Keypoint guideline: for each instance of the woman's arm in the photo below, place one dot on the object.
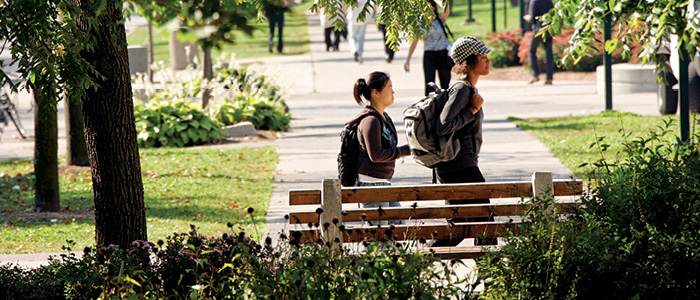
(370, 134)
(458, 111)
(407, 65)
(445, 14)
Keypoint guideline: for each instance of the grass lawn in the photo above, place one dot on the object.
(296, 39)
(204, 187)
(572, 138)
(481, 13)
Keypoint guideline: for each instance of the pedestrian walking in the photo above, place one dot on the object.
(378, 140)
(435, 52)
(331, 36)
(537, 9)
(462, 117)
(388, 52)
(356, 30)
(274, 11)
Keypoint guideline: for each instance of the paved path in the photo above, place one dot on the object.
(321, 102)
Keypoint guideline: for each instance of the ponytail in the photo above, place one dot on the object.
(363, 88)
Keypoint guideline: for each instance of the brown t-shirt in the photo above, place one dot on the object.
(378, 144)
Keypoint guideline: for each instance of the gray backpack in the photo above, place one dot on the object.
(421, 119)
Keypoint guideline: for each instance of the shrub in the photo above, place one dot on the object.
(233, 266)
(591, 59)
(262, 113)
(245, 81)
(174, 123)
(504, 48)
(636, 236)
(255, 95)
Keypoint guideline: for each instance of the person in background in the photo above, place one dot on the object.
(388, 52)
(537, 9)
(435, 54)
(462, 116)
(274, 11)
(331, 36)
(378, 140)
(356, 30)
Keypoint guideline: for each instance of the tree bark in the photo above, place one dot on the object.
(110, 133)
(208, 74)
(76, 153)
(46, 190)
(150, 51)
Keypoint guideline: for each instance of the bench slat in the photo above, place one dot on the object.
(434, 212)
(466, 191)
(459, 252)
(410, 232)
(304, 197)
(430, 192)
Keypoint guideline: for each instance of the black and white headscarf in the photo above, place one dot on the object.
(466, 46)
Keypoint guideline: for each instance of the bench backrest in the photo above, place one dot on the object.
(326, 226)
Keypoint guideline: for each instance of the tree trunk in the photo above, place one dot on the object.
(76, 153)
(110, 132)
(208, 74)
(150, 51)
(46, 192)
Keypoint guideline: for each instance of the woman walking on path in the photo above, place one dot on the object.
(435, 57)
(463, 115)
(376, 133)
(356, 30)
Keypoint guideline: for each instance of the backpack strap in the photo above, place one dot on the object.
(444, 27)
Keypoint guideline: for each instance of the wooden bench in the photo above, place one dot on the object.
(335, 224)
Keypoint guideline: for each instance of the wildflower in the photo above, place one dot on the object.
(268, 240)
(336, 221)
(319, 211)
(250, 210)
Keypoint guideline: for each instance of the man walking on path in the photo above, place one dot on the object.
(537, 9)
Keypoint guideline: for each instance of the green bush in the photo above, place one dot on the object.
(233, 266)
(244, 81)
(636, 236)
(262, 113)
(174, 123)
(504, 48)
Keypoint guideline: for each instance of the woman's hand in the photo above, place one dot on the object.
(407, 66)
(477, 102)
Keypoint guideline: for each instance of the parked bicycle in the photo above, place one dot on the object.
(8, 111)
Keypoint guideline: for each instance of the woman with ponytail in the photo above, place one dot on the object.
(376, 133)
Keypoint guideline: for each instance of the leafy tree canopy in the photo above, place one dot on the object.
(208, 22)
(400, 16)
(650, 21)
(44, 42)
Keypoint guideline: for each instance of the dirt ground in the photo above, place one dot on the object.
(521, 73)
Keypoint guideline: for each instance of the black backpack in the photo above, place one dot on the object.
(349, 156)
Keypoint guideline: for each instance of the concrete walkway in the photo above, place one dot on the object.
(321, 101)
